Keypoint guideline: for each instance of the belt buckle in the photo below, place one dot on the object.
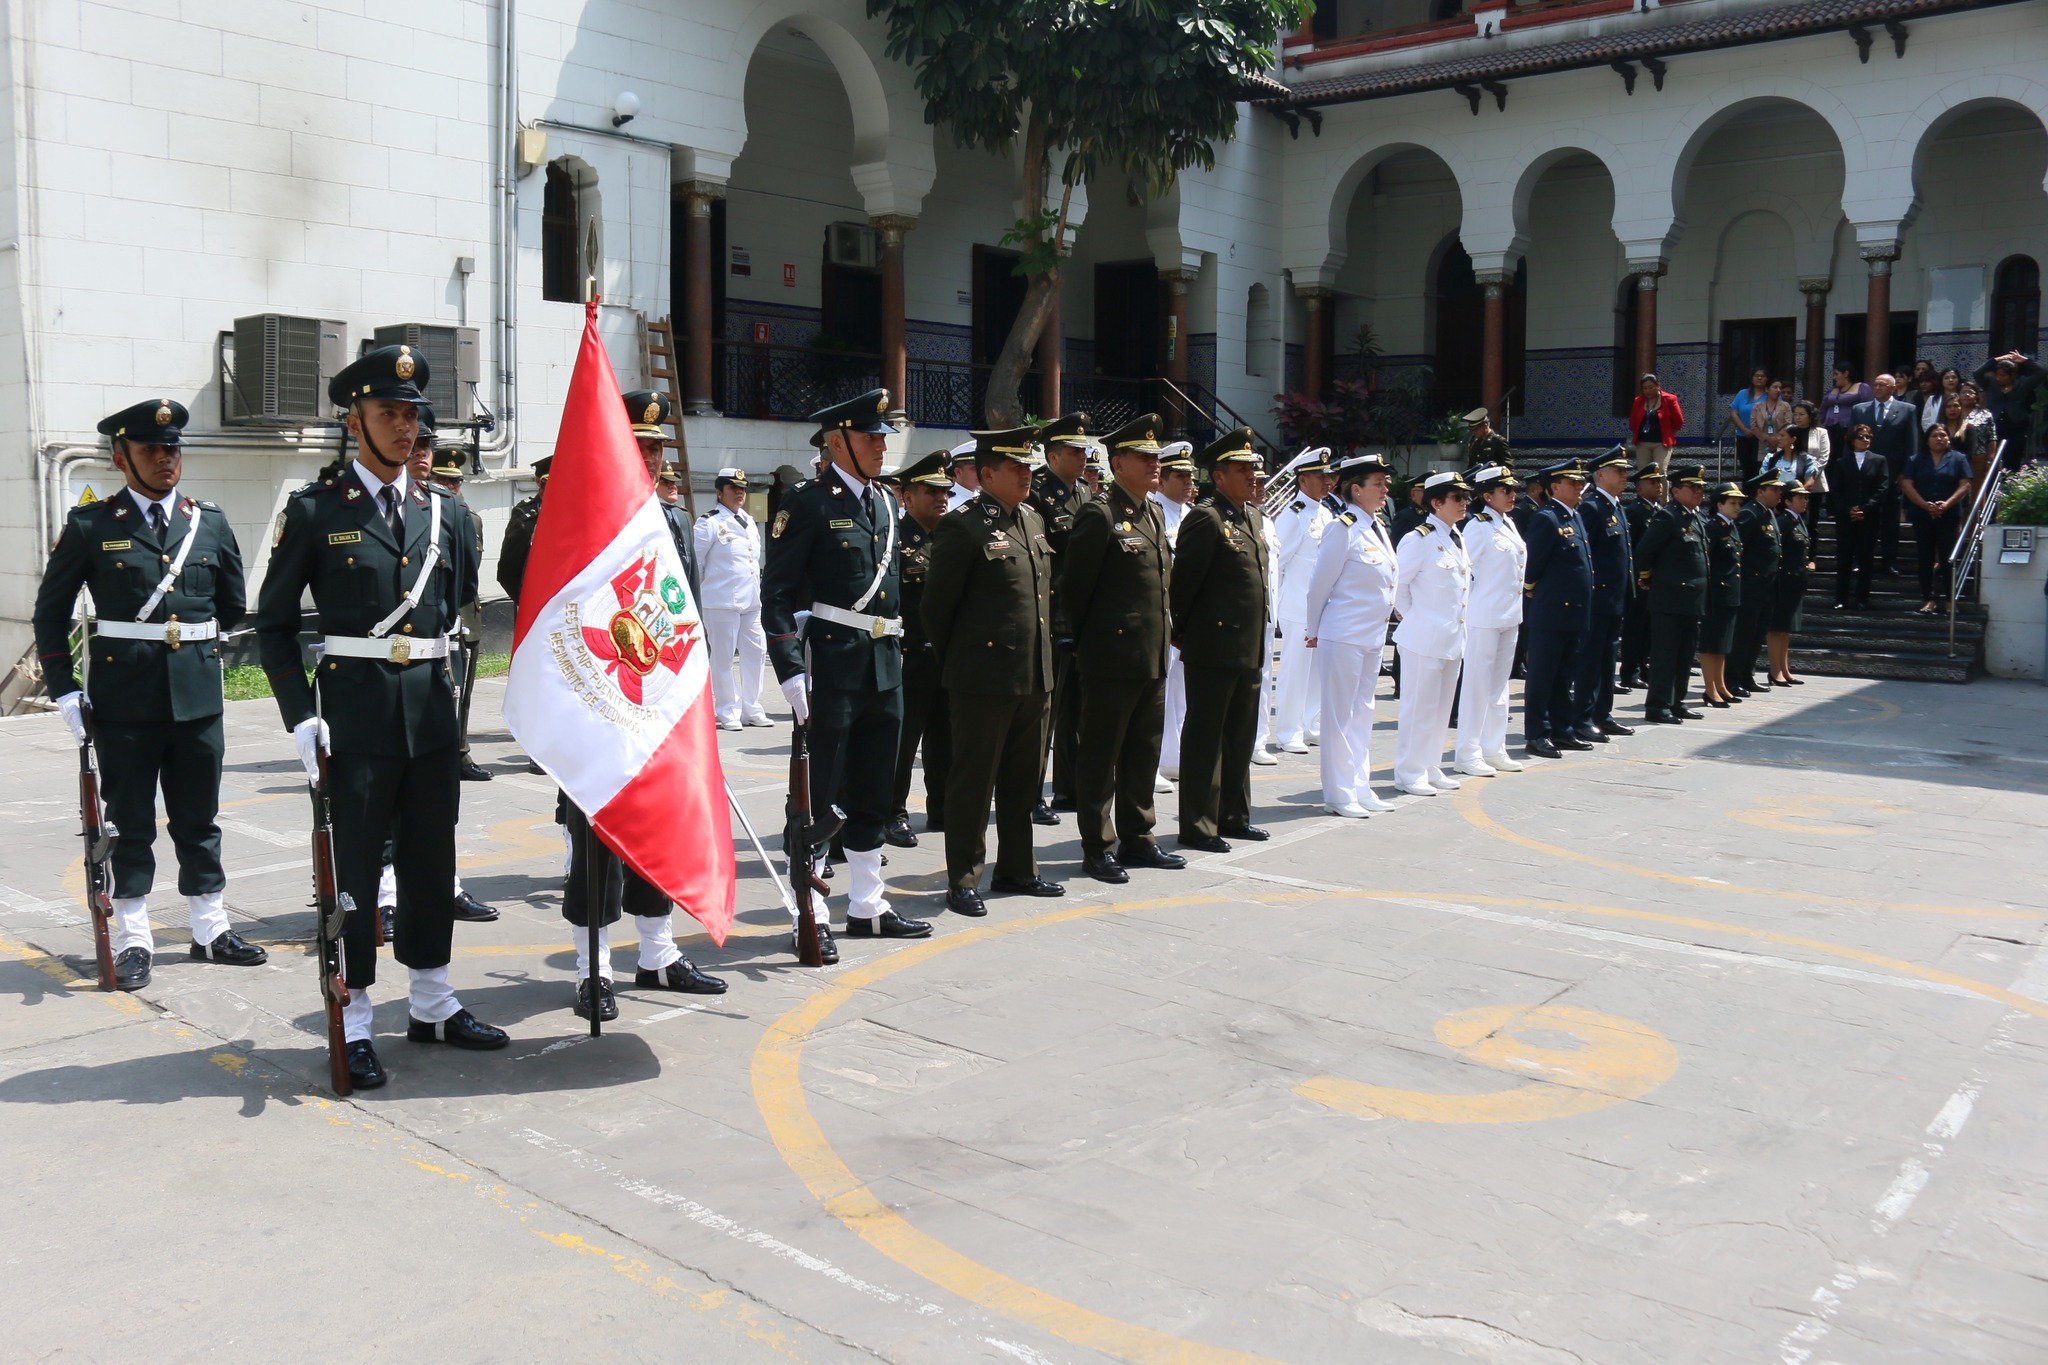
(877, 627)
(401, 650)
(172, 635)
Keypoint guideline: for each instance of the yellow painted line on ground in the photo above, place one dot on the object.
(59, 971)
(1617, 1060)
(1808, 812)
(1470, 804)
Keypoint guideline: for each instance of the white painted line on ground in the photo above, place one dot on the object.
(57, 912)
(294, 839)
(718, 1222)
(265, 869)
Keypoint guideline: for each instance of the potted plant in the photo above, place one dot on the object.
(2016, 611)
(1451, 435)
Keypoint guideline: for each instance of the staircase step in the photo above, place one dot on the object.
(1852, 640)
(1888, 664)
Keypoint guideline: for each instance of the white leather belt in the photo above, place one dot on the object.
(392, 649)
(878, 627)
(172, 633)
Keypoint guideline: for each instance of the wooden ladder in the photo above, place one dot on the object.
(659, 344)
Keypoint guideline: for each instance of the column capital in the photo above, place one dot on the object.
(1494, 282)
(700, 190)
(1816, 290)
(1314, 295)
(892, 226)
(1879, 255)
(1179, 280)
(1646, 269)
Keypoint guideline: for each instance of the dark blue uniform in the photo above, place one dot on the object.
(1559, 586)
(1608, 544)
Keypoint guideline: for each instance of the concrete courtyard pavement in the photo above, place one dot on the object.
(1719, 1043)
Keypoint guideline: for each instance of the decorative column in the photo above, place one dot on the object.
(1816, 292)
(895, 361)
(1316, 298)
(699, 195)
(1877, 311)
(1495, 283)
(1646, 275)
(1177, 282)
(1050, 337)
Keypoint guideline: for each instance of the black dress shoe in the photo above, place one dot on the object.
(365, 1072)
(1203, 843)
(1589, 734)
(1629, 680)
(828, 951)
(1623, 688)
(470, 910)
(131, 969)
(1042, 814)
(1149, 854)
(1660, 717)
(1719, 705)
(1104, 867)
(464, 1030)
(1740, 690)
(1686, 713)
(231, 948)
(1059, 802)
(888, 924)
(965, 900)
(1542, 748)
(607, 1003)
(1251, 833)
(680, 975)
(470, 771)
(387, 921)
(897, 833)
(1025, 886)
(1790, 682)
(1611, 726)
(1569, 741)
(1734, 698)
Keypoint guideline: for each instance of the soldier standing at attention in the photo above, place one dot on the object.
(1635, 622)
(1493, 622)
(1761, 552)
(166, 579)
(1559, 610)
(1058, 491)
(1350, 598)
(1297, 711)
(1218, 596)
(988, 608)
(648, 412)
(1671, 571)
(1175, 497)
(832, 549)
(1724, 594)
(728, 549)
(385, 560)
(926, 487)
(1114, 588)
(1432, 591)
(1610, 547)
(445, 473)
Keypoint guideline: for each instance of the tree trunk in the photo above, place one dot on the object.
(1001, 406)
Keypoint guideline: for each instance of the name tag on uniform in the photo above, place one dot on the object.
(117, 545)
(344, 537)
(1134, 544)
(841, 524)
(997, 549)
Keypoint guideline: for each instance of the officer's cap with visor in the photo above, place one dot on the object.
(1617, 458)
(867, 413)
(1694, 475)
(1141, 434)
(1070, 430)
(1233, 447)
(392, 373)
(1476, 416)
(1359, 468)
(1017, 443)
(932, 471)
(1488, 477)
(1563, 469)
(1449, 481)
(1318, 462)
(649, 411)
(1652, 470)
(156, 422)
(730, 477)
(1175, 457)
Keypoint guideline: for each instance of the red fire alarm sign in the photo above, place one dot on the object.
(789, 275)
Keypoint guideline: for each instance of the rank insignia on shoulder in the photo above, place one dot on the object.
(345, 538)
(117, 545)
(1298, 505)
(120, 511)
(354, 493)
(1349, 518)
(1426, 528)
(781, 524)
(277, 531)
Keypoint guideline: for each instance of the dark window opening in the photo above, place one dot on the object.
(1128, 320)
(1901, 343)
(2016, 306)
(1461, 334)
(561, 248)
(998, 298)
(1751, 344)
(1625, 376)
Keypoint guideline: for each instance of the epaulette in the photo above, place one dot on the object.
(1426, 527)
(1298, 505)
(206, 506)
(1349, 518)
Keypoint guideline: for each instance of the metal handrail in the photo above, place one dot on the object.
(1962, 556)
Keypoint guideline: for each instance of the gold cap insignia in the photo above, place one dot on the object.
(651, 413)
(882, 403)
(163, 413)
(1149, 435)
(404, 367)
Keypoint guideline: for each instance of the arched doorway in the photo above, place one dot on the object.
(2016, 306)
(1460, 309)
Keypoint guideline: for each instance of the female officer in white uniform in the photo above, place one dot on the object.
(1499, 558)
(1431, 594)
(1175, 495)
(1350, 593)
(729, 556)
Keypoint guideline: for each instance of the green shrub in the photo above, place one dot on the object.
(2025, 499)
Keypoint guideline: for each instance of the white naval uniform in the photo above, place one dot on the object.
(1432, 593)
(1265, 737)
(1349, 595)
(729, 569)
(1297, 705)
(1499, 558)
(1171, 513)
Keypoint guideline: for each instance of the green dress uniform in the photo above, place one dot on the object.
(1057, 503)
(926, 720)
(1671, 570)
(387, 566)
(1218, 596)
(1757, 527)
(1789, 595)
(153, 680)
(1114, 591)
(988, 610)
(447, 476)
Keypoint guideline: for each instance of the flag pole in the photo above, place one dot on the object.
(781, 886)
(594, 880)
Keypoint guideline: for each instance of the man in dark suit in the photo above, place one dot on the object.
(1610, 546)
(1558, 585)
(1895, 437)
(1859, 491)
(1113, 592)
(1671, 570)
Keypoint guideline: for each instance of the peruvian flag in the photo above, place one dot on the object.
(610, 689)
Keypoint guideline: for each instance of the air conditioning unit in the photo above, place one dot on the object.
(280, 368)
(453, 364)
(853, 245)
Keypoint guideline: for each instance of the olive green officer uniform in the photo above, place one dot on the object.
(1114, 594)
(519, 526)
(1757, 527)
(1490, 449)
(447, 476)
(988, 610)
(1218, 598)
(926, 721)
(1671, 569)
(154, 679)
(1057, 503)
(1724, 574)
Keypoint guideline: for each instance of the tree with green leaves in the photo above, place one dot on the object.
(1106, 90)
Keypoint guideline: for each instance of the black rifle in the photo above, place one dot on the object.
(331, 907)
(99, 850)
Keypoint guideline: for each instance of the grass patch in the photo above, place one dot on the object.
(246, 682)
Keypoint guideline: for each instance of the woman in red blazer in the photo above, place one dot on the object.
(1654, 418)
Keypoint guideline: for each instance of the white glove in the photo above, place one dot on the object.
(793, 689)
(71, 706)
(312, 738)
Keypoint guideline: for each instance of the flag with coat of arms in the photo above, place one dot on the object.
(610, 687)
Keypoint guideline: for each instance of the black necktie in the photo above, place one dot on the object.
(391, 513)
(157, 521)
(1457, 538)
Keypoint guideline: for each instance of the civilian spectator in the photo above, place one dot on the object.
(1654, 418)
(1795, 564)
(1859, 492)
(1937, 489)
(1926, 398)
(1946, 386)
(1739, 407)
(2008, 385)
(1810, 450)
(1895, 432)
(1840, 402)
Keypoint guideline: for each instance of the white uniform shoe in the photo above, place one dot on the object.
(1266, 757)
(1415, 789)
(1296, 745)
(1350, 810)
(1314, 737)
(1473, 767)
(1504, 763)
(1372, 801)
(728, 725)
(1162, 783)
(1443, 781)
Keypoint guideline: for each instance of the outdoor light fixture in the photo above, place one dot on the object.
(624, 108)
